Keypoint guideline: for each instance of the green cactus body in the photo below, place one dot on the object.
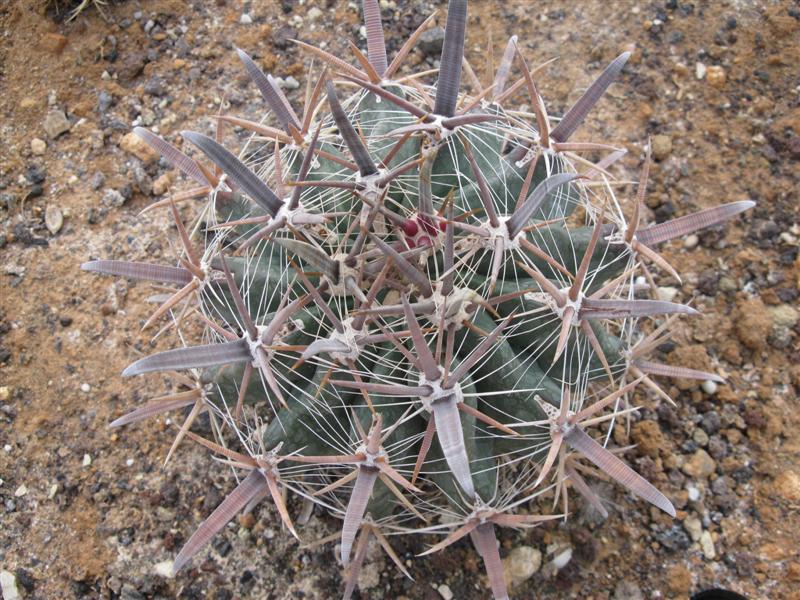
(424, 309)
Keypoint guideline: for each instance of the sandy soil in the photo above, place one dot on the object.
(87, 512)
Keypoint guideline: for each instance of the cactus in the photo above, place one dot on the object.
(419, 302)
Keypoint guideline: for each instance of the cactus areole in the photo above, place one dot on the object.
(424, 306)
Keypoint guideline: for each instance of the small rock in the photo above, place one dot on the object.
(87, 460)
(313, 13)
(135, 145)
(5, 393)
(142, 180)
(97, 180)
(787, 486)
(707, 546)
(132, 65)
(667, 294)
(56, 123)
(53, 218)
(699, 70)
(709, 387)
(246, 19)
(161, 184)
(430, 43)
(38, 146)
(155, 87)
(700, 437)
(164, 569)
(53, 42)
(290, 83)
(715, 76)
(8, 584)
(21, 491)
(104, 101)
(522, 563)
(661, 146)
(691, 241)
(783, 316)
(700, 465)
(693, 527)
(727, 284)
(445, 592)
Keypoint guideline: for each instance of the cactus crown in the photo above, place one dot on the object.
(419, 303)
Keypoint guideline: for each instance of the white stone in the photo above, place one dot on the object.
(445, 591)
(523, 562)
(707, 545)
(709, 387)
(691, 241)
(699, 70)
(245, 19)
(56, 123)
(164, 568)
(8, 583)
(38, 146)
(87, 460)
(21, 491)
(667, 294)
(314, 13)
(53, 218)
(693, 527)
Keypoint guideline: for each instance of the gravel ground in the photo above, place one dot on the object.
(88, 512)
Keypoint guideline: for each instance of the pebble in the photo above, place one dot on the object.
(445, 592)
(707, 546)
(691, 241)
(709, 387)
(783, 316)
(53, 218)
(133, 144)
(522, 563)
(667, 294)
(715, 75)
(699, 70)
(86, 388)
(87, 460)
(787, 486)
(661, 145)
(56, 123)
(430, 43)
(313, 13)
(8, 584)
(53, 42)
(700, 465)
(21, 491)
(693, 527)
(5, 393)
(155, 86)
(161, 185)
(727, 284)
(38, 146)
(97, 180)
(245, 19)
(164, 569)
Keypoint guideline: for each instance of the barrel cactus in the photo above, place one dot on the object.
(423, 307)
